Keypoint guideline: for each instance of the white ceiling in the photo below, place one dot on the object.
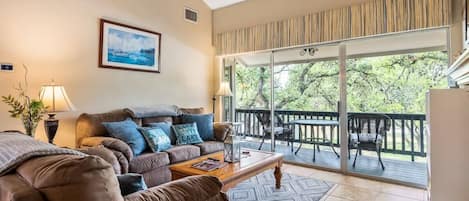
(375, 46)
(216, 4)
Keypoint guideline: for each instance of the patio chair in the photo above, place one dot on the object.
(281, 130)
(367, 132)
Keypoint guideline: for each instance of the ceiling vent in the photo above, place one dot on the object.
(191, 15)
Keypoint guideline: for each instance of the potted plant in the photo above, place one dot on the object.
(23, 107)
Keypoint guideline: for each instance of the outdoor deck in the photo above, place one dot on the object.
(402, 170)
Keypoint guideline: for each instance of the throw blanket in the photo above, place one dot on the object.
(16, 148)
(155, 111)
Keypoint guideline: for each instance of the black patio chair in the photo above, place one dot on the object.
(281, 130)
(367, 132)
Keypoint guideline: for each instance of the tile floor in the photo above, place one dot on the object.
(351, 188)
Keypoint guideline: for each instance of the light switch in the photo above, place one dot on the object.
(6, 67)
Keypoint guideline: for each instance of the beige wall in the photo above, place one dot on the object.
(253, 12)
(456, 30)
(58, 39)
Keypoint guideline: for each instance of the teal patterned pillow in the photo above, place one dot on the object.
(156, 139)
(187, 134)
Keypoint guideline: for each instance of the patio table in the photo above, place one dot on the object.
(314, 139)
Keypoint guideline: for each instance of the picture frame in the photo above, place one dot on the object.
(126, 47)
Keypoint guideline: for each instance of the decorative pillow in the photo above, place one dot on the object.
(131, 183)
(166, 127)
(204, 124)
(127, 131)
(156, 139)
(187, 134)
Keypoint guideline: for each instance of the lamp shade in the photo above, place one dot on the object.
(55, 99)
(224, 90)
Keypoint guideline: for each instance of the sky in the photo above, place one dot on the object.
(129, 42)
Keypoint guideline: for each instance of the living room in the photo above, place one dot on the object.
(90, 63)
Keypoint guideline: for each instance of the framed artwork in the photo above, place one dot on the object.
(129, 48)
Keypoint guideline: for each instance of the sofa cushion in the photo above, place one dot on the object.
(90, 125)
(194, 188)
(166, 127)
(187, 134)
(127, 131)
(209, 147)
(131, 183)
(157, 176)
(156, 139)
(71, 178)
(196, 110)
(148, 120)
(356, 138)
(183, 153)
(148, 161)
(204, 124)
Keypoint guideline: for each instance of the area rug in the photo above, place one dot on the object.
(294, 188)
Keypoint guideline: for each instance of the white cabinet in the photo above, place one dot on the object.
(448, 125)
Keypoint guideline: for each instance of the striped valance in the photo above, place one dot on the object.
(369, 18)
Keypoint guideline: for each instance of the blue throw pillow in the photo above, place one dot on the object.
(166, 127)
(127, 131)
(204, 124)
(156, 139)
(187, 134)
(130, 183)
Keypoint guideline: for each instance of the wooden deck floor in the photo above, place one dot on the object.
(401, 170)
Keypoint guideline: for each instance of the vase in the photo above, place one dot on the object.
(30, 127)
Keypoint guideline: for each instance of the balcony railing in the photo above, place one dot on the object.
(406, 136)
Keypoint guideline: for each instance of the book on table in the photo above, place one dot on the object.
(209, 165)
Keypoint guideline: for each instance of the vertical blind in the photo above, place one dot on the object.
(370, 18)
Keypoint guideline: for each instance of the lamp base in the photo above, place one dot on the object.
(214, 99)
(51, 125)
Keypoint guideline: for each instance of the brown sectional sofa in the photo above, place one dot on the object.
(90, 178)
(154, 166)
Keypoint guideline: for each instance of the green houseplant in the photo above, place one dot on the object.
(23, 107)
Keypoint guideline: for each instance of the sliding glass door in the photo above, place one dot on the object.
(388, 78)
(356, 107)
(306, 96)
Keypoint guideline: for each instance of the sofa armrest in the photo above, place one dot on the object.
(221, 130)
(122, 151)
(106, 154)
(195, 188)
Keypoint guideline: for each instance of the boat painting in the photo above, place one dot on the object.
(129, 48)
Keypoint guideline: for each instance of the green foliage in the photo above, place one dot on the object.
(394, 84)
(17, 107)
(30, 111)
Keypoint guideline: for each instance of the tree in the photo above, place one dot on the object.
(394, 84)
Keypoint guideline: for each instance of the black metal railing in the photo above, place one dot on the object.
(406, 136)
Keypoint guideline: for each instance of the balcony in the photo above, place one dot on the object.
(404, 145)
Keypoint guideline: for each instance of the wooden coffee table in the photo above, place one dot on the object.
(234, 173)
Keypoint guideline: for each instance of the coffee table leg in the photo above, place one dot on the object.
(278, 175)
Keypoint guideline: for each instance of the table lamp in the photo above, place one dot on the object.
(56, 100)
(224, 90)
